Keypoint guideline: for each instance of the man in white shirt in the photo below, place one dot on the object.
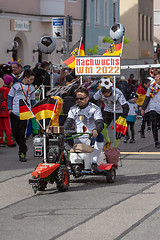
(88, 116)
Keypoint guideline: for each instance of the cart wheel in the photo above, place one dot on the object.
(111, 175)
(62, 179)
(43, 185)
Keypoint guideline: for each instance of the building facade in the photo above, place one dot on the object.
(26, 22)
(137, 17)
(101, 15)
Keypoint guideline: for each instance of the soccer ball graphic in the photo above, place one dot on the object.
(106, 83)
(117, 31)
(47, 44)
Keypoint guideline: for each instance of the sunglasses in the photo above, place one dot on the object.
(80, 98)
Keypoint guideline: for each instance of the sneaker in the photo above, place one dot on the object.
(126, 139)
(142, 134)
(94, 167)
(157, 144)
(12, 145)
(22, 157)
(132, 140)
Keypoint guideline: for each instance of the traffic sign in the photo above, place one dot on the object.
(58, 27)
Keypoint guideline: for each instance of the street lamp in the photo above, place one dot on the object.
(14, 48)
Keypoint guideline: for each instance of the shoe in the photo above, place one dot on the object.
(12, 145)
(94, 167)
(3, 145)
(126, 139)
(132, 140)
(157, 144)
(22, 157)
(142, 134)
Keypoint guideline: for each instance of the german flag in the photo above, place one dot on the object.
(46, 108)
(24, 110)
(76, 50)
(115, 49)
(81, 49)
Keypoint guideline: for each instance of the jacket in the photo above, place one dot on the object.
(3, 101)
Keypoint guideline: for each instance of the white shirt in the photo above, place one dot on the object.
(109, 101)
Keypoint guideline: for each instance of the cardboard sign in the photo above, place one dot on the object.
(101, 65)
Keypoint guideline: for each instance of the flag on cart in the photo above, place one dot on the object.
(115, 48)
(46, 108)
(24, 110)
(42, 110)
(76, 50)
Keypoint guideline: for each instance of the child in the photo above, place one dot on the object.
(131, 117)
(4, 113)
(24, 90)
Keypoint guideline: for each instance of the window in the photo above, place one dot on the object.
(147, 28)
(97, 12)
(151, 35)
(88, 12)
(142, 27)
(106, 13)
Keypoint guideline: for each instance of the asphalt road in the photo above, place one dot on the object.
(128, 209)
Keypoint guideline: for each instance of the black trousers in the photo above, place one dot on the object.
(18, 129)
(155, 119)
(145, 119)
(109, 116)
(131, 125)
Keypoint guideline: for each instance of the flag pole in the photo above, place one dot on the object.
(114, 111)
(44, 127)
(53, 113)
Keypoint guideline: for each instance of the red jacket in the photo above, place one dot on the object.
(3, 101)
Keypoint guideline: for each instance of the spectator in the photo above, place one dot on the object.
(4, 113)
(19, 71)
(14, 74)
(132, 83)
(141, 92)
(131, 117)
(1, 77)
(123, 86)
(158, 52)
(153, 100)
(42, 76)
(24, 90)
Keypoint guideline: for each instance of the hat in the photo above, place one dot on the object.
(106, 83)
(123, 78)
(133, 95)
(7, 79)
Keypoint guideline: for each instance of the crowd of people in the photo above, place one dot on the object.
(89, 103)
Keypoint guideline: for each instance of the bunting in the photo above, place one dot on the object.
(115, 48)
(76, 50)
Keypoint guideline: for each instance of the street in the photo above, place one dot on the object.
(92, 209)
